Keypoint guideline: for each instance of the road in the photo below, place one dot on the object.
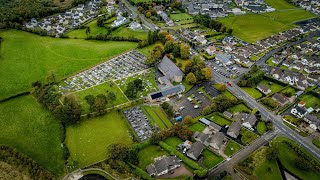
(267, 115)
(133, 10)
(242, 154)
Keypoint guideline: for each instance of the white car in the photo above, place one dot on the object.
(196, 106)
(181, 108)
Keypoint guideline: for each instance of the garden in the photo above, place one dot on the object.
(197, 127)
(247, 136)
(146, 155)
(310, 100)
(220, 119)
(210, 159)
(231, 148)
(253, 92)
(239, 108)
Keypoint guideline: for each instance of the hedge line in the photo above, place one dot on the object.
(201, 172)
(139, 172)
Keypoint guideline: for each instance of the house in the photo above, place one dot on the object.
(264, 89)
(312, 120)
(281, 99)
(224, 58)
(162, 165)
(200, 40)
(227, 114)
(299, 93)
(301, 104)
(216, 141)
(165, 93)
(200, 136)
(234, 129)
(215, 127)
(299, 112)
(249, 121)
(211, 50)
(135, 26)
(195, 150)
(170, 70)
(119, 21)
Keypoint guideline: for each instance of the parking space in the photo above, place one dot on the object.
(231, 71)
(139, 122)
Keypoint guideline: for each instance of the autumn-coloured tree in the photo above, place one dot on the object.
(191, 78)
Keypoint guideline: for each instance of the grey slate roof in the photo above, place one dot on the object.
(217, 138)
(196, 149)
(280, 98)
(252, 119)
(215, 126)
(235, 128)
(263, 87)
(165, 92)
(169, 68)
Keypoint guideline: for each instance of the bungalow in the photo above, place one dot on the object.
(312, 120)
(234, 129)
(299, 112)
(216, 140)
(281, 99)
(249, 121)
(195, 150)
(162, 165)
(264, 89)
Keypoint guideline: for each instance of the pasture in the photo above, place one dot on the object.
(89, 140)
(27, 57)
(31, 129)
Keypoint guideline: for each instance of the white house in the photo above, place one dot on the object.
(298, 112)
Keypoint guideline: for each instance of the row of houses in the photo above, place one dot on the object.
(213, 8)
(310, 5)
(255, 6)
(74, 17)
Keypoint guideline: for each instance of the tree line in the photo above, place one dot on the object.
(206, 21)
(252, 78)
(23, 163)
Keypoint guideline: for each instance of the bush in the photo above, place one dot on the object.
(139, 172)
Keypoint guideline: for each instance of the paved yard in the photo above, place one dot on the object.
(181, 171)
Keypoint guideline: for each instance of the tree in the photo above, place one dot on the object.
(100, 103)
(207, 73)
(272, 153)
(90, 100)
(100, 21)
(70, 111)
(187, 66)
(111, 96)
(168, 47)
(51, 78)
(88, 31)
(187, 120)
(191, 78)
(184, 51)
(176, 50)
(302, 163)
(221, 87)
(148, 14)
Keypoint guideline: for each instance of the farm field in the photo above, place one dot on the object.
(254, 27)
(127, 32)
(27, 57)
(101, 89)
(32, 130)
(157, 116)
(280, 4)
(180, 16)
(96, 133)
(94, 30)
(253, 92)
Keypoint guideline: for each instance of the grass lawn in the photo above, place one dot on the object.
(180, 16)
(210, 159)
(262, 127)
(288, 157)
(127, 32)
(252, 27)
(228, 94)
(157, 116)
(182, 62)
(32, 130)
(101, 89)
(231, 148)
(147, 155)
(220, 120)
(89, 140)
(253, 92)
(266, 169)
(247, 136)
(239, 108)
(27, 57)
(148, 81)
(311, 101)
(316, 142)
(280, 4)
(284, 67)
(197, 127)
(289, 89)
(291, 119)
(270, 63)
(274, 87)
(94, 30)
(173, 141)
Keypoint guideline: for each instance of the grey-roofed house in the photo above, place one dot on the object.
(224, 58)
(167, 92)
(249, 121)
(281, 99)
(214, 126)
(200, 136)
(216, 140)
(195, 150)
(264, 89)
(227, 114)
(234, 129)
(162, 165)
(170, 70)
(204, 121)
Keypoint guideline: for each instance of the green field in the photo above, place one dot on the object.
(173, 141)
(210, 159)
(101, 89)
(311, 101)
(30, 128)
(253, 92)
(157, 116)
(27, 57)
(239, 108)
(280, 4)
(231, 148)
(247, 136)
(274, 87)
(289, 89)
(127, 32)
(89, 140)
(197, 127)
(147, 155)
(180, 16)
(220, 120)
(262, 127)
(270, 63)
(94, 30)
(148, 80)
(254, 27)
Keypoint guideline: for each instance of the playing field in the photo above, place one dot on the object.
(89, 140)
(25, 57)
(104, 88)
(254, 27)
(30, 128)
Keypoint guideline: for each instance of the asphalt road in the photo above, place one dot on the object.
(267, 115)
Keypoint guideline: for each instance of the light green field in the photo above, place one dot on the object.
(220, 120)
(127, 32)
(89, 140)
(180, 16)
(101, 89)
(147, 50)
(157, 116)
(173, 141)
(30, 128)
(252, 92)
(247, 136)
(26, 57)
(280, 4)
(254, 27)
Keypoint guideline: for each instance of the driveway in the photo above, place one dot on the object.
(181, 171)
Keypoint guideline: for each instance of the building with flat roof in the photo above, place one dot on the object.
(165, 93)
